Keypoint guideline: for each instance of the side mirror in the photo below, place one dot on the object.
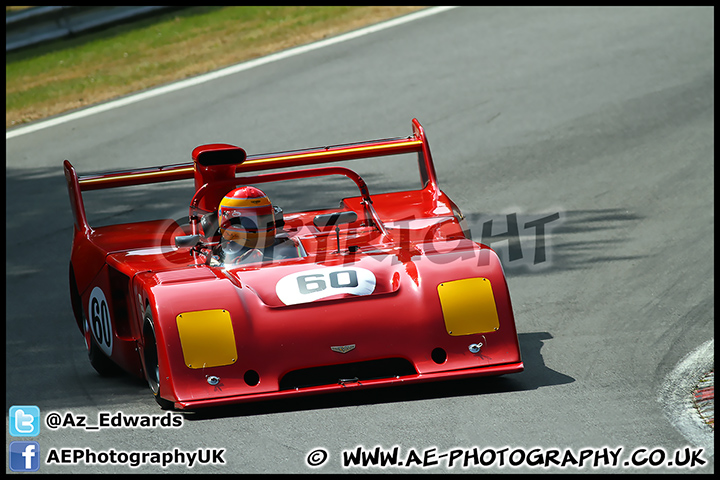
(279, 219)
(334, 219)
(187, 240)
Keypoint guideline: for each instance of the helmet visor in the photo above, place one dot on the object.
(251, 228)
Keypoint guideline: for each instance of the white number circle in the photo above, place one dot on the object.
(100, 321)
(311, 285)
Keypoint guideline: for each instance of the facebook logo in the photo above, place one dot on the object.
(24, 421)
(24, 456)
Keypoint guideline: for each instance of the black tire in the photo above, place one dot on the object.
(150, 359)
(101, 362)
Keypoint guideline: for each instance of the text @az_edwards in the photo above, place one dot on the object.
(117, 420)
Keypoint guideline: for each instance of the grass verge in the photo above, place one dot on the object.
(72, 73)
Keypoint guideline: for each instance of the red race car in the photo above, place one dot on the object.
(244, 301)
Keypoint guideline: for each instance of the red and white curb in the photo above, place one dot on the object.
(687, 397)
(704, 398)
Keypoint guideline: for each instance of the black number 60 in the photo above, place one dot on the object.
(101, 321)
(317, 282)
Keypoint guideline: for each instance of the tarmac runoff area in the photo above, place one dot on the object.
(688, 397)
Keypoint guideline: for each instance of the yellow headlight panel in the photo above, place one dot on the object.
(207, 338)
(468, 306)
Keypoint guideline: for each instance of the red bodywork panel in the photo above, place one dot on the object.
(306, 338)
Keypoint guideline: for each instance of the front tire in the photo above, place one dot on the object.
(150, 359)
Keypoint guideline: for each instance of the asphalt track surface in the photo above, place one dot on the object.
(603, 116)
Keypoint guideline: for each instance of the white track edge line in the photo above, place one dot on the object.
(200, 79)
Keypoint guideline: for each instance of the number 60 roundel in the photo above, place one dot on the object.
(310, 285)
(99, 320)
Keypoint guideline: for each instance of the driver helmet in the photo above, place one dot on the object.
(246, 217)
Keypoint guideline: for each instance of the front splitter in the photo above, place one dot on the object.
(375, 383)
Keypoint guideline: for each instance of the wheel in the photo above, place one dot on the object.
(150, 359)
(101, 362)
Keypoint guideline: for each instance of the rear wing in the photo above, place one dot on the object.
(218, 162)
